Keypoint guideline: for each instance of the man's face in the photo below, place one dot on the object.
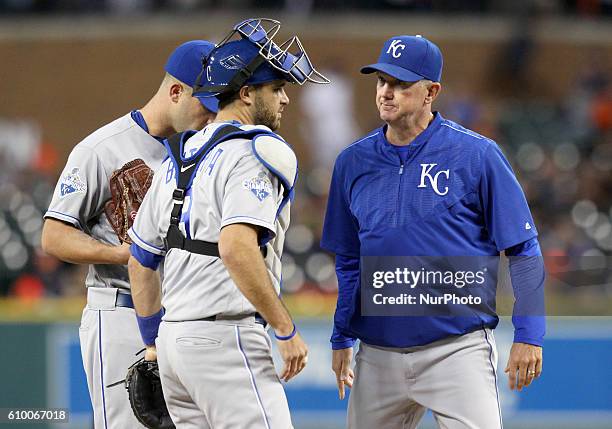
(269, 101)
(190, 114)
(397, 100)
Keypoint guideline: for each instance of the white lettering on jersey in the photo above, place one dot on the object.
(394, 46)
(527, 225)
(71, 183)
(433, 180)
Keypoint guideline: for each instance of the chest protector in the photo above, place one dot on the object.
(273, 153)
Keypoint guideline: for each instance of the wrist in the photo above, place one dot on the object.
(523, 337)
(285, 328)
(529, 341)
(121, 254)
(149, 327)
(345, 344)
(286, 336)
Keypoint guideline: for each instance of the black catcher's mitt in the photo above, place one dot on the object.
(146, 397)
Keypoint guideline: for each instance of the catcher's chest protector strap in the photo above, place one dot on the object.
(185, 169)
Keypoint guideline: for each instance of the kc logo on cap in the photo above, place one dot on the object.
(394, 46)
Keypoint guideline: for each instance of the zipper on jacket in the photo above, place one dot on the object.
(399, 196)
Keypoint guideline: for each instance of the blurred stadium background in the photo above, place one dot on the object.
(533, 75)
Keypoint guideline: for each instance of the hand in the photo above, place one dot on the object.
(150, 353)
(341, 365)
(295, 355)
(527, 360)
(123, 253)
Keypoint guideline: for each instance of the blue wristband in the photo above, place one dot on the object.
(288, 337)
(149, 326)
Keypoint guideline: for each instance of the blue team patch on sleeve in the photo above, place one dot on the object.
(260, 186)
(146, 258)
(71, 183)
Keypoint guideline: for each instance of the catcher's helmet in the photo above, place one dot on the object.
(254, 58)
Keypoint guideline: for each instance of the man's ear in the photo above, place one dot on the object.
(246, 94)
(432, 92)
(176, 89)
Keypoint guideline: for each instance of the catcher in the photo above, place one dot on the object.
(92, 208)
(217, 218)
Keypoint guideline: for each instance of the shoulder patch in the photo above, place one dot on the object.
(71, 183)
(259, 185)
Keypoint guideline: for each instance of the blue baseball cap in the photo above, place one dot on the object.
(234, 64)
(237, 54)
(409, 59)
(185, 64)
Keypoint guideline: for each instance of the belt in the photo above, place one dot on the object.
(219, 317)
(124, 300)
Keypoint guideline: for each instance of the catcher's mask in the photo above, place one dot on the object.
(248, 55)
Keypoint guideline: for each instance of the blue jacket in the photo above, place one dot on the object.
(451, 192)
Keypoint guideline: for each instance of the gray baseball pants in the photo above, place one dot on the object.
(455, 378)
(110, 339)
(220, 374)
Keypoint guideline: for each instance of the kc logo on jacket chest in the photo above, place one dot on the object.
(433, 179)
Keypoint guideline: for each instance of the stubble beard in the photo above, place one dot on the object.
(264, 115)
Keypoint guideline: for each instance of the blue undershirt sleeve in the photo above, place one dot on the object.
(146, 258)
(347, 270)
(527, 275)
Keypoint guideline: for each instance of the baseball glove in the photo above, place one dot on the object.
(128, 187)
(146, 397)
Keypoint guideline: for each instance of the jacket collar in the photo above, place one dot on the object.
(419, 141)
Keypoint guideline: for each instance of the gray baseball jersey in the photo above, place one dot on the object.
(230, 186)
(83, 187)
(108, 334)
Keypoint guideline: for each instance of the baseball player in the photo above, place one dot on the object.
(77, 230)
(217, 214)
(424, 186)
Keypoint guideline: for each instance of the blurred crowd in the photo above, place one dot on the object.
(118, 7)
(561, 151)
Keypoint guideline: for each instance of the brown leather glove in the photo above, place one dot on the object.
(128, 187)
